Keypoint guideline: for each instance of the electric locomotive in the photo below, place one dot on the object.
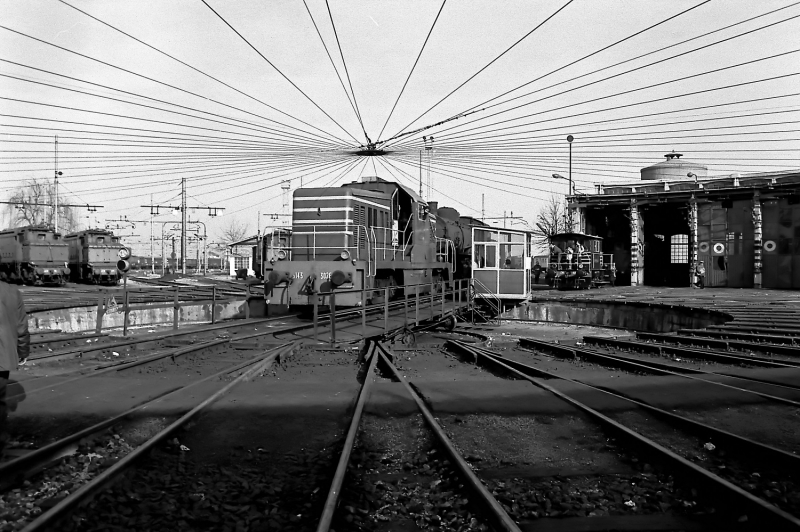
(93, 256)
(365, 236)
(33, 255)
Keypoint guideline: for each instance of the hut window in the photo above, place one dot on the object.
(679, 249)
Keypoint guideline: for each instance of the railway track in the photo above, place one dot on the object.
(677, 443)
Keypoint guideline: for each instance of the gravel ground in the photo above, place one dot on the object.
(22, 504)
(595, 476)
(398, 477)
(172, 492)
(777, 487)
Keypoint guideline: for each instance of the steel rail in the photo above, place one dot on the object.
(499, 515)
(344, 459)
(765, 330)
(75, 353)
(47, 520)
(653, 367)
(747, 445)
(692, 352)
(765, 338)
(721, 343)
(126, 365)
(774, 518)
(11, 470)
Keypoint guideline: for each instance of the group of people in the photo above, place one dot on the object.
(14, 347)
(577, 251)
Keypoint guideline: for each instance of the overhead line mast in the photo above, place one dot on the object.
(212, 211)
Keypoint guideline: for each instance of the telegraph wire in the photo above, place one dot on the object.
(488, 64)
(279, 71)
(207, 75)
(347, 73)
(430, 31)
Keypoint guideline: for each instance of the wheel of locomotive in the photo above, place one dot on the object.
(449, 323)
(409, 338)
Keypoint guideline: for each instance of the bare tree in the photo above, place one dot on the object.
(550, 220)
(233, 231)
(32, 204)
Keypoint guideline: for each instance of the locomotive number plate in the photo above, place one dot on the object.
(325, 276)
(298, 275)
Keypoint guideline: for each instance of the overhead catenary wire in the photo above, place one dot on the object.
(314, 138)
(333, 64)
(279, 71)
(260, 129)
(347, 73)
(201, 72)
(490, 63)
(414, 66)
(130, 72)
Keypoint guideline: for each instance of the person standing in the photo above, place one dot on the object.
(14, 346)
(537, 271)
(700, 272)
(612, 275)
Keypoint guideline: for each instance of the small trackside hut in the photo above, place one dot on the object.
(358, 237)
(501, 266)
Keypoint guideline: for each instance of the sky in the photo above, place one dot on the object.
(243, 97)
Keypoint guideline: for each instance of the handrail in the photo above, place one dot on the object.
(497, 309)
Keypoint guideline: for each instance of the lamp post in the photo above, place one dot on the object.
(567, 214)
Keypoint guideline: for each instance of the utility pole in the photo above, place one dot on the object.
(429, 149)
(483, 207)
(55, 198)
(285, 187)
(183, 226)
(420, 173)
(152, 255)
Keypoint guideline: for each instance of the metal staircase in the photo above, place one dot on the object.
(489, 308)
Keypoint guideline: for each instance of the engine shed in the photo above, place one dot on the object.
(744, 228)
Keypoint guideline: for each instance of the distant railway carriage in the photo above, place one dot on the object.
(274, 242)
(577, 261)
(33, 255)
(365, 235)
(93, 256)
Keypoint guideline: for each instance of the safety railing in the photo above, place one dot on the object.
(425, 307)
(107, 304)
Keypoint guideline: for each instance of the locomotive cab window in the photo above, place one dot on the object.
(41, 236)
(100, 239)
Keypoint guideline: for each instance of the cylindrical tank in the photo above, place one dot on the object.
(673, 169)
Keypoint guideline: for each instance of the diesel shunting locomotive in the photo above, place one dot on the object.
(33, 255)
(93, 256)
(366, 235)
